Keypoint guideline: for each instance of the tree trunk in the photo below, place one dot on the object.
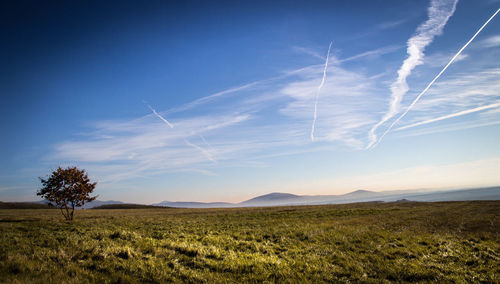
(67, 212)
(62, 212)
(72, 211)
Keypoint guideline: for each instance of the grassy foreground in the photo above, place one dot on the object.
(370, 242)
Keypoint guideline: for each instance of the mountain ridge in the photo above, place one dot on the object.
(270, 197)
(282, 198)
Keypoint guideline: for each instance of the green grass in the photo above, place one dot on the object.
(370, 242)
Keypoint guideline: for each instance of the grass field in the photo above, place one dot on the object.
(367, 242)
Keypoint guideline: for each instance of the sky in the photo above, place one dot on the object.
(228, 100)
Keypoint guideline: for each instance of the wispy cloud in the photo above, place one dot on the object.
(439, 12)
(378, 28)
(461, 91)
(440, 59)
(212, 97)
(458, 93)
(372, 53)
(143, 145)
(391, 24)
(452, 115)
(448, 127)
(308, 51)
(492, 41)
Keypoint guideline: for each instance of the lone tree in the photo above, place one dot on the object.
(67, 188)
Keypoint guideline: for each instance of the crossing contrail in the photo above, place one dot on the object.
(434, 80)
(160, 117)
(203, 151)
(317, 92)
(206, 143)
(439, 12)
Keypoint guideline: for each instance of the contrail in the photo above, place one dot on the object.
(439, 13)
(374, 52)
(160, 117)
(434, 80)
(203, 151)
(206, 143)
(456, 114)
(211, 97)
(317, 92)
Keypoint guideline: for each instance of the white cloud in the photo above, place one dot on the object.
(146, 142)
(439, 12)
(345, 105)
(492, 41)
(440, 59)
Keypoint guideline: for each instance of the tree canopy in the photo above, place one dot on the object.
(67, 188)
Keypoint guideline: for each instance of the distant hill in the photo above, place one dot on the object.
(275, 198)
(96, 203)
(281, 199)
(23, 205)
(489, 193)
(361, 194)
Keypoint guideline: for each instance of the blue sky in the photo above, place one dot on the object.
(215, 101)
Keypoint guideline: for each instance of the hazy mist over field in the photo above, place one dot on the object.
(223, 101)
